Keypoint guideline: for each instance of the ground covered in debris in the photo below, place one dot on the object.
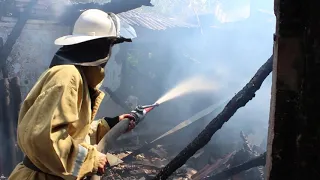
(201, 166)
(145, 166)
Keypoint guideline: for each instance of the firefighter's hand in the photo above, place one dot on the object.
(132, 124)
(102, 162)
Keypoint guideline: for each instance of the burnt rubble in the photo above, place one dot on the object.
(241, 164)
(146, 166)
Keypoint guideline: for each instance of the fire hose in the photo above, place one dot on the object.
(121, 127)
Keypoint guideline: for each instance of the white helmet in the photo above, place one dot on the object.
(93, 24)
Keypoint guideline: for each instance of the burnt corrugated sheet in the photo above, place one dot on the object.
(151, 20)
(136, 17)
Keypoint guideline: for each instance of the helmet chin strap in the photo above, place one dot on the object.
(121, 40)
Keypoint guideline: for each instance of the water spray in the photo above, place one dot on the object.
(195, 84)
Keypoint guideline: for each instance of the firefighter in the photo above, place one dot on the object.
(56, 127)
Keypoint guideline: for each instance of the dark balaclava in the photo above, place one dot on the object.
(91, 53)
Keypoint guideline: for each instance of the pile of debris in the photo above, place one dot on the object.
(226, 168)
(148, 164)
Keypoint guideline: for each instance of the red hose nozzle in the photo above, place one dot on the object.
(148, 108)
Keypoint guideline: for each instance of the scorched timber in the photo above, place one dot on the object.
(238, 101)
(255, 162)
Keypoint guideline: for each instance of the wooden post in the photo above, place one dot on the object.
(294, 131)
(10, 98)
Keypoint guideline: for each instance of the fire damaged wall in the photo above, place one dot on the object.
(33, 50)
(294, 138)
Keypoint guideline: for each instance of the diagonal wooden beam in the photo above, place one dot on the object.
(254, 162)
(238, 101)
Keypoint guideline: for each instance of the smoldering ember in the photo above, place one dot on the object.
(187, 89)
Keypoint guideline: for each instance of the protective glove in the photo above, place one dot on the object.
(113, 121)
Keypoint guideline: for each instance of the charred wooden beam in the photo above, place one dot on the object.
(238, 101)
(294, 136)
(255, 162)
(73, 11)
(10, 98)
(13, 36)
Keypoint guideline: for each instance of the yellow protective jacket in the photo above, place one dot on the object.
(56, 128)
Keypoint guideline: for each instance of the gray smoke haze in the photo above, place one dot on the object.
(228, 54)
(230, 46)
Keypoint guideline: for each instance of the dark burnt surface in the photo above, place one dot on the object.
(294, 136)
